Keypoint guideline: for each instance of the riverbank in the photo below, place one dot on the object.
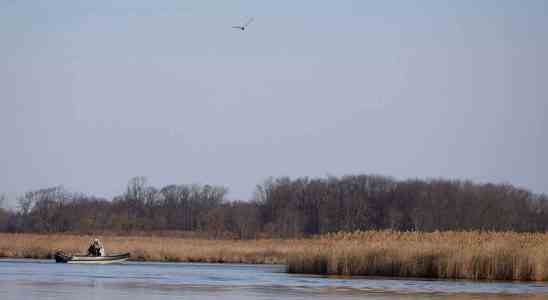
(449, 255)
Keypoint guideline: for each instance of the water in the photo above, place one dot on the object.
(33, 279)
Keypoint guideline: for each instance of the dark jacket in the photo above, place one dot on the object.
(94, 251)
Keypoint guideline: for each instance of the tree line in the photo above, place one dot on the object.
(284, 207)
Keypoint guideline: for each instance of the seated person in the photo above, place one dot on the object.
(96, 248)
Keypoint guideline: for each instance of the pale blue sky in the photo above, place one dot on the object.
(95, 92)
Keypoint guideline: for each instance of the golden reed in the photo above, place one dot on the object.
(146, 248)
(455, 255)
(458, 255)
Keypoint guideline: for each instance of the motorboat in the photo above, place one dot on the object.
(62, 257)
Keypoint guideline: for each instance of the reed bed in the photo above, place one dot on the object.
(162, 249)
(449, 255)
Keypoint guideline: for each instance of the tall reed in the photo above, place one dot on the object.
(457, 255)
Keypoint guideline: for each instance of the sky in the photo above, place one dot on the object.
(93, 93)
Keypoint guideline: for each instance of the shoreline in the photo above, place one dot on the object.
(506, 256)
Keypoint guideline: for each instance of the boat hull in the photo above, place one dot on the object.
(61, 257)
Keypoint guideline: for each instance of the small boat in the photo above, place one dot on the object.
(61, 257)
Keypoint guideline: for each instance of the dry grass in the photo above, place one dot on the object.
(464, 255)
(458, 255)
(153, 248)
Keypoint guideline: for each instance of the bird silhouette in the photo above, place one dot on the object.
(244, 26)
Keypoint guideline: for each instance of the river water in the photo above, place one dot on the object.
(41, 279)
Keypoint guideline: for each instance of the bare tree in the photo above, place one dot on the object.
(285, 207)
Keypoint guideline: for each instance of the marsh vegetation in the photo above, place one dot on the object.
(450, 255)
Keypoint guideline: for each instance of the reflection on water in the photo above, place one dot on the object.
(26, 279)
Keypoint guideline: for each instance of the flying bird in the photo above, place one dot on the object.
(244, 26)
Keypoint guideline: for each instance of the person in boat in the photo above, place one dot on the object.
(96, 248)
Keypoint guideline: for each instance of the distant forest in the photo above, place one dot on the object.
(284, 207)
